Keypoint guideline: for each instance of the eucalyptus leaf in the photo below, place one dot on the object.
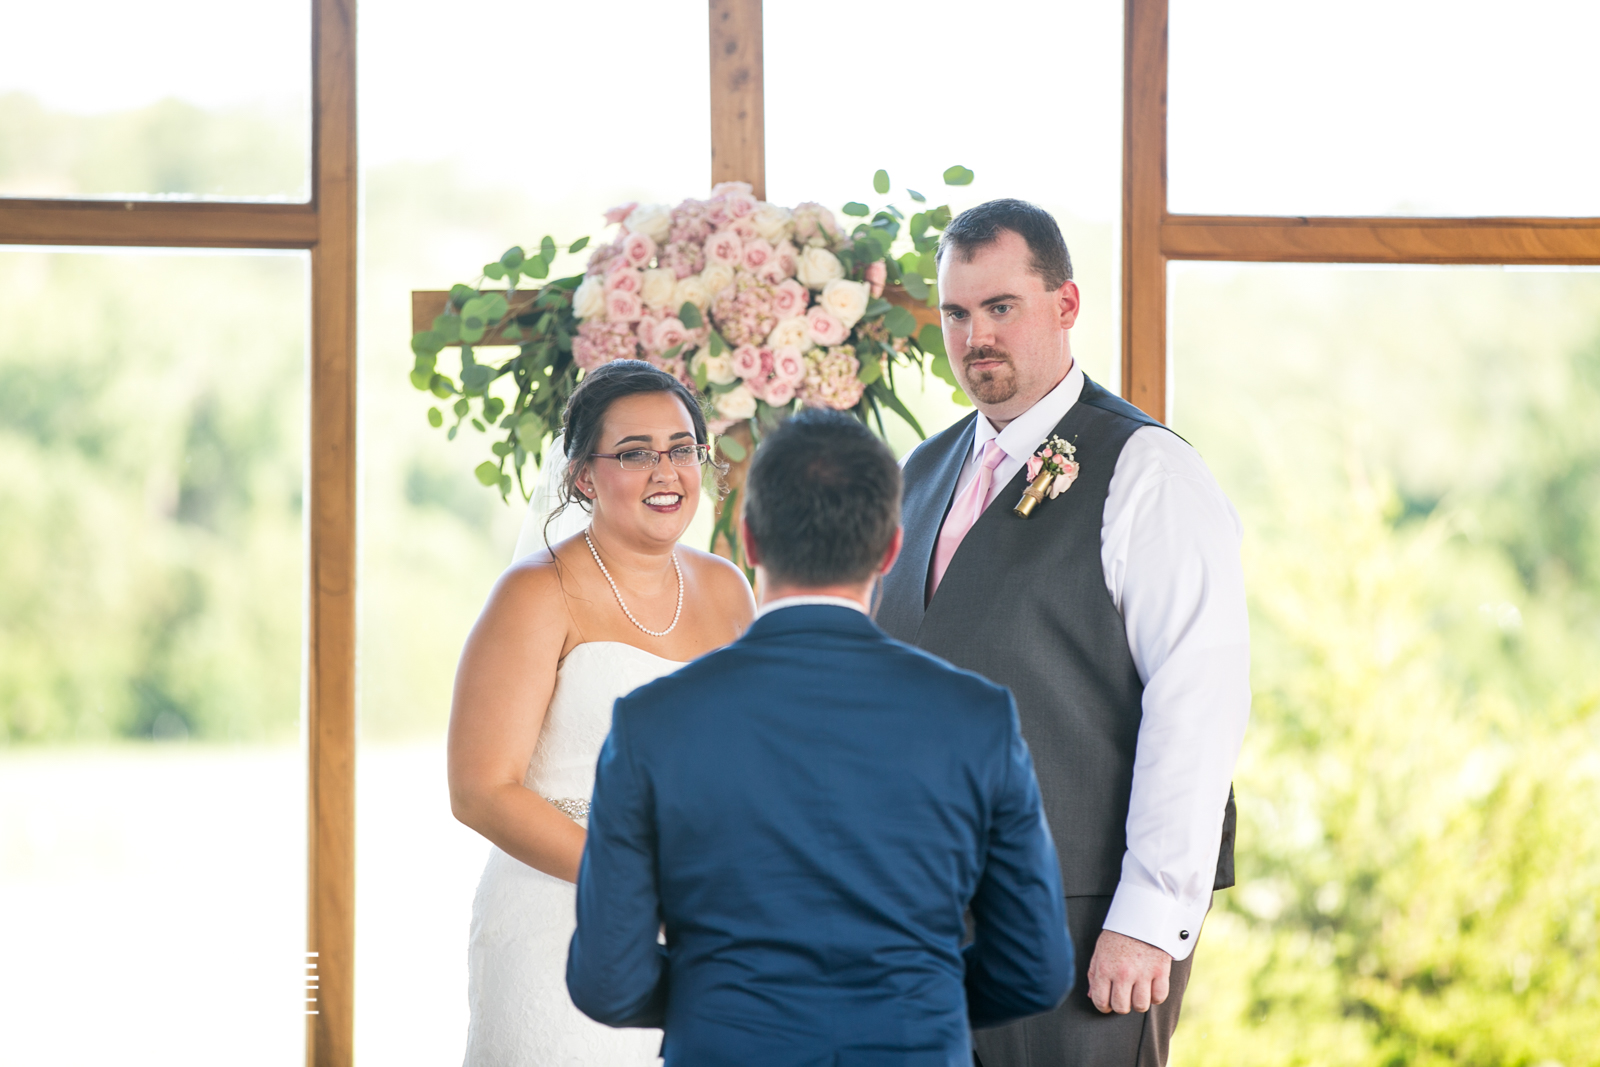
(421, 379)
(875, 307)
(871, 370)
(958, 175)
(538, 267)
(461, 407)
(450, 435)
(690, 316)
(915, 285)
(931, 341)
(547, 247)
(579, 245)
(856, 209)
(435, 418)
(447, 328)
(899, 322)
(496, 271)
(512, 257)
(479, 426)
(880, 182)
(941, 369)
(471, 330)
(460, 294)
(732, 448)
(441, 387)
(501, 448)
(487, 473)
(426, 343)
(918, 197)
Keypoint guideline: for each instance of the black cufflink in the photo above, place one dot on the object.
(1183, 935)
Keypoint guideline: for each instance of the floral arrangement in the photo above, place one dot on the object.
(757, 307)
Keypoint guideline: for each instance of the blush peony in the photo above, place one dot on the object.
(823, 326)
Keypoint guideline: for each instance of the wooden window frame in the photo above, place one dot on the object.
(1152, 236)
(326, 227)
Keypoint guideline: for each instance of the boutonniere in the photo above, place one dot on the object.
(1051, 471)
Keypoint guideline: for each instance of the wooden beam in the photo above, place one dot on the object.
(1144, 204)
(426, 304)
(1382, 240)
(157, 223)
(331, 621)
(738, 121)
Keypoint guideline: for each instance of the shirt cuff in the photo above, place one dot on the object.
(1156, 919)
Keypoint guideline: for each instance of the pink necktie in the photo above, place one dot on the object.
(965, 511)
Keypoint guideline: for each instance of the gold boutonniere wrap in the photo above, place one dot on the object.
(1051, 470)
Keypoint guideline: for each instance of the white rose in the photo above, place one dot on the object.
(847, 300)
(771, 222)
(717, 277)
(659, 286)
(589, 302)
(652, 220)
(818, 267)
(691, 290)
(793, 331)
(719, 369)
(737, 403)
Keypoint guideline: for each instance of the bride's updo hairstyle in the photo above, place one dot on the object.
(585, 416)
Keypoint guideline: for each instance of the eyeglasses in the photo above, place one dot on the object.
(647, 459)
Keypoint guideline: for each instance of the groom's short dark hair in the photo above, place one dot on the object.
(822, 500)
(978, 227)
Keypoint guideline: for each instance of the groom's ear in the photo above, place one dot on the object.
(893, 554)
(752, 551)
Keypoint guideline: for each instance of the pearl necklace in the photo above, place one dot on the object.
(618, 593)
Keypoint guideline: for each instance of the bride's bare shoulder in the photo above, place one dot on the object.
(725, 582)
(539, 577)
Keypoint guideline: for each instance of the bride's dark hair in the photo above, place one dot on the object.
(585, 417)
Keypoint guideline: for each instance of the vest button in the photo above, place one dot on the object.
(1183, 935)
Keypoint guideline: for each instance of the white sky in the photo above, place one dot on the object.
(1368, 106)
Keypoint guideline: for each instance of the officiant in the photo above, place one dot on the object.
(1111, 604)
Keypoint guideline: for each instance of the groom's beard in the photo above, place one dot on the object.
(990, 386)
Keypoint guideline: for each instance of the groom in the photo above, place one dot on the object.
(809, 812)
(1115, 614)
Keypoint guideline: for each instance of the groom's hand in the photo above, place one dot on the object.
(1127, 974)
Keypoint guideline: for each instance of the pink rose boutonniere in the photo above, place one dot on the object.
(1051, 472)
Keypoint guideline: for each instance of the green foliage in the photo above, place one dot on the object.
(1419, 863)
(958, 175)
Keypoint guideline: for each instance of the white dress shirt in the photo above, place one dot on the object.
(801, 600)
(1169, 548)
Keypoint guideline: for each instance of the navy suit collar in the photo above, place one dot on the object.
(812, 618)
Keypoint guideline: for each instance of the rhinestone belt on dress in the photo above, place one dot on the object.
(574, 808)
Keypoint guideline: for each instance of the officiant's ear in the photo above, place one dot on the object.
(894, 550)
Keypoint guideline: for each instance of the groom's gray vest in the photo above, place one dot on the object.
(1024, 603)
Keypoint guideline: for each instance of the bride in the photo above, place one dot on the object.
(567, 630)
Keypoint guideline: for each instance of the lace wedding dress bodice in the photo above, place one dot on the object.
(522, 919)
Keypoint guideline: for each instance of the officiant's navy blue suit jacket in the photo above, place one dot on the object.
(809, 812)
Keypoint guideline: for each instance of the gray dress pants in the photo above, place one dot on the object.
(1077, 1034)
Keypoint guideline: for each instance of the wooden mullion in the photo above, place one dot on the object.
(157, 223)
(1144, 204)
(738, 118)
(331, 622)
(1476, 240)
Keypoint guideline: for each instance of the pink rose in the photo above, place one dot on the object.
(718, 427)
(1035, 464)
(790, 299)
(669, 334)
(779, 393)
(789, 365)
(725, 246)
(757, 253)
(739, 204)
(638, 249)
(877, 274)
(745, 228)
(624, 279)
(621, 211)
(623, 306)
(824, 328)
(757, 386)
(645, 331)
(747, 361)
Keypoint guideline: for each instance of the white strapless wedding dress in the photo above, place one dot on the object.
(522, 919)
